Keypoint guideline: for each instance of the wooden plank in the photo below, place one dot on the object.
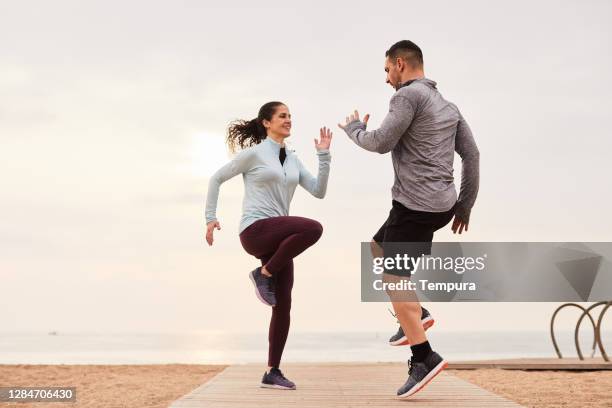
(335, 385)
(573, 364)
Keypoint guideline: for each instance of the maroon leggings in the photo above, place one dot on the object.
(276, 241)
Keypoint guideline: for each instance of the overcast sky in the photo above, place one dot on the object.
(112, 118)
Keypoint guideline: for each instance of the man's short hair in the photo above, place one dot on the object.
(408, 51)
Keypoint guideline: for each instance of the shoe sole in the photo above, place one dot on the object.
(427, 323)
(276, 387)
(252, 278)
(418, 387)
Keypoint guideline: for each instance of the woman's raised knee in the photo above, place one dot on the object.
(315, 228)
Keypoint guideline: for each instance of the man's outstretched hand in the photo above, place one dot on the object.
(352, 117)
(459, 225)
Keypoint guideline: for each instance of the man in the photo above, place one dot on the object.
(422, 131)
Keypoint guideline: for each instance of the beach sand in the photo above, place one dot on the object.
(106, 386)
(545, 389)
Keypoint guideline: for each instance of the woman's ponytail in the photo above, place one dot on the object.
(246, 133)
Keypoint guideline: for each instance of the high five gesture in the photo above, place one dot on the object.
(324, 139)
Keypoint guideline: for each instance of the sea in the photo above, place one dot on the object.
(217, 347)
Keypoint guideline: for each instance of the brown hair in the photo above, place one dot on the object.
(246, 133)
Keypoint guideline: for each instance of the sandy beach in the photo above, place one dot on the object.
(545, 389)
(106, 386)
(155, 386)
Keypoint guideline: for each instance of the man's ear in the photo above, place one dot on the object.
(400, 64)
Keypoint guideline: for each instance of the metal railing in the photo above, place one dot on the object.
(597, 341)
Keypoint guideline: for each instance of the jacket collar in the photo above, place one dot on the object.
(276, 146)
(424, 80)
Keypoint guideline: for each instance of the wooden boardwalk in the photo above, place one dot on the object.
(335, 385)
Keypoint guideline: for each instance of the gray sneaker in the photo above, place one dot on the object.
(400, 339)
(419, 374)
(264, 287)
(276, 379)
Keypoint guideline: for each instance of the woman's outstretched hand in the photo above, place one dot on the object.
(210, 227)
(325, 139)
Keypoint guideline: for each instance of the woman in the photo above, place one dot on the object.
(271, 174)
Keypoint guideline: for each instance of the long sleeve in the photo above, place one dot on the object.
(382, 140)
(466, 147)
(317, 186)
(239, 164)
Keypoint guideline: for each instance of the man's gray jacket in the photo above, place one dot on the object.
(422, 131)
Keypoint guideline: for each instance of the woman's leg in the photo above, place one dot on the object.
(296, 235)
(279, 323)
(283, 237)
(276, 241)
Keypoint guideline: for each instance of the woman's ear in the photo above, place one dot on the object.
(265, 123)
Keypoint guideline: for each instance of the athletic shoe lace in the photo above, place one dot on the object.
(410, 366)
(280, 374)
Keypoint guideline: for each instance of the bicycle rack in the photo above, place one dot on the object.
(597, 341)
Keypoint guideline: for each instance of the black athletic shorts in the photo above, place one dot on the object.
(406, 225)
